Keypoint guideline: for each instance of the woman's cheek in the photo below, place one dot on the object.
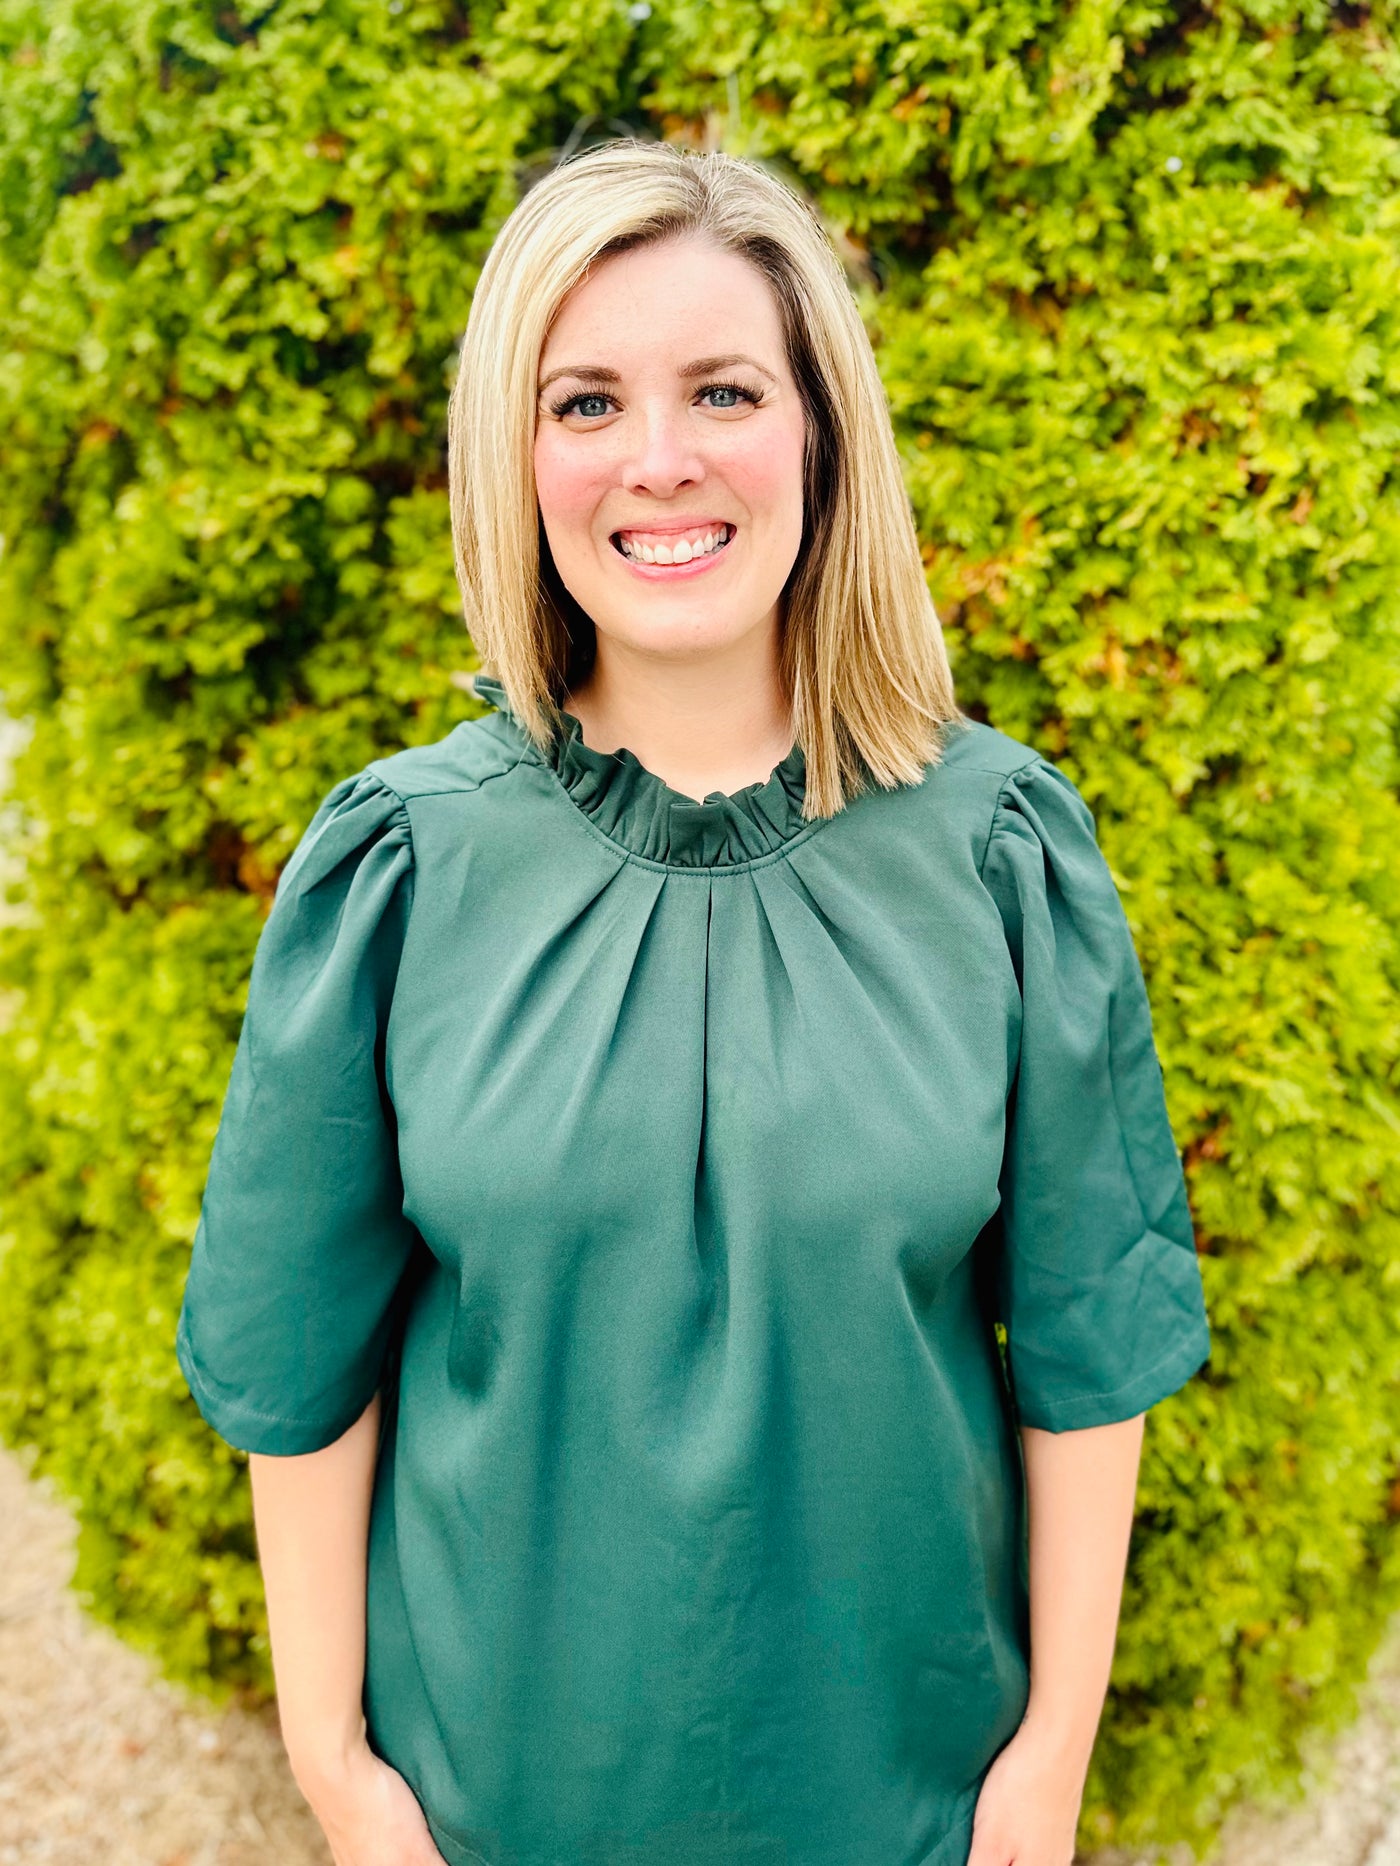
(569, 488)
(550, 476)
(761, 467)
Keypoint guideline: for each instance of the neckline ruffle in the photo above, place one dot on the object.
(634, 807)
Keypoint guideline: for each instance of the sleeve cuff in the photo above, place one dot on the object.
(247, 1429)
(1140, 1393)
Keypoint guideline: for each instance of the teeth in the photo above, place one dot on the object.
(681, 552)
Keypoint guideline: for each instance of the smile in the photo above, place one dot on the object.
(649, 554)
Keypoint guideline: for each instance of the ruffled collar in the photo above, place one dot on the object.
(634, 807)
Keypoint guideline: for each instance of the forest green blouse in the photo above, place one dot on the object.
(668, 1163)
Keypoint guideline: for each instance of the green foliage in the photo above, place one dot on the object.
(1132, 274)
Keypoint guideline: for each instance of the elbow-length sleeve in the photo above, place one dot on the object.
(301, 1241)
(1097, 1282)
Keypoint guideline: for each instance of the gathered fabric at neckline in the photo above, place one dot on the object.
(635, 808)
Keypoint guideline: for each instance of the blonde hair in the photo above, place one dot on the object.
(862, 650)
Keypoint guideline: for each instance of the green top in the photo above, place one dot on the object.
(669, 1164)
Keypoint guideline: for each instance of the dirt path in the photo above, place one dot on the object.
(102, 1763)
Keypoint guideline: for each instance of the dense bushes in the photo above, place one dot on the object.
(1132, 274)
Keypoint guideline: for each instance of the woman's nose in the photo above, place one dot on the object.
(662, 450)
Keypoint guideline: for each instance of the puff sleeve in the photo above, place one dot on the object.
(301, 1241)
(1097, 1282)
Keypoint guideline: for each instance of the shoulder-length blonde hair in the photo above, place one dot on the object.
(862, 651)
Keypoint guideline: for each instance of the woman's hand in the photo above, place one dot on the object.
(368, 1813)
(1028, 1809)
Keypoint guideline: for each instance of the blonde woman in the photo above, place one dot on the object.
(651, 1098)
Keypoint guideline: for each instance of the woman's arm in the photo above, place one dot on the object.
(311, 1513)
(312, 1516)
(1081, 1487)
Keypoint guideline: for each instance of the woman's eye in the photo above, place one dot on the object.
(753, 396)
(580, 404)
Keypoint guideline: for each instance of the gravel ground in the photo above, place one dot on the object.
(102, 1761)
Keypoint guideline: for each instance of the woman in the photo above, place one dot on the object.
(660, 1089)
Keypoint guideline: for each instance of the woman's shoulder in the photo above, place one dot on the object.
(1015, 789)
(365, 822)
(972, 746)
(987, 783)
(472, 753)
(974, 765)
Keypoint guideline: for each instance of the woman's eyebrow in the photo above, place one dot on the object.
(702, 366)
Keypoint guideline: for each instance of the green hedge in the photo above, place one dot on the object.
(1132, 274)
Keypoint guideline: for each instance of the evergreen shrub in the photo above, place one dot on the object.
(1132, 273)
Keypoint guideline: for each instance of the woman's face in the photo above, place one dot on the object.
(635, 436)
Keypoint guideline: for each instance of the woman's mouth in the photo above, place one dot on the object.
(683, 554)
